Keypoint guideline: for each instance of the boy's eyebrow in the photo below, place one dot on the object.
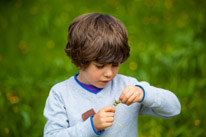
(98, 63)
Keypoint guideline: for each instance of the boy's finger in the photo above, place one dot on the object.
(110, 114)
(126, 95)
(125, 92)
(109, 109)
(109, 119)
(131, 99)
(108, 124)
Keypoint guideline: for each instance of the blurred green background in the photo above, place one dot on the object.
(168, 50)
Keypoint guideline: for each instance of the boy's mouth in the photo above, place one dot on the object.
(106, 81)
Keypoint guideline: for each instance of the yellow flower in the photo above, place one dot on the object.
(6, 130)
(197, 122)
(12, 98)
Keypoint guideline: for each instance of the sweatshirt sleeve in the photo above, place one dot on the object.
(57, 124)
(159, 102)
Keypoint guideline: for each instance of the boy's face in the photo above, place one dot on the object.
(98, 75)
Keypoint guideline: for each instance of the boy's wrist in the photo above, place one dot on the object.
(143, 93)
(97, 131)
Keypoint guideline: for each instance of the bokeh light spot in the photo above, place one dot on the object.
(1, 57)
(34, 10)
(4, 24)
(23, 46)
(133, 65)
(50, 44)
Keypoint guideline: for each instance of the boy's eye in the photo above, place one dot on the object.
(99, 66)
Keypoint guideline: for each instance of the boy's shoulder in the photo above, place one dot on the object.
(61, 86)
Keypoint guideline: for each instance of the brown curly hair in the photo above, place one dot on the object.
(97, 37)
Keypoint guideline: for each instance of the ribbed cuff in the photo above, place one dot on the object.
(98, 133)
(143, 92)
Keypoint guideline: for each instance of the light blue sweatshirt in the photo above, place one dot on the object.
(68, 100)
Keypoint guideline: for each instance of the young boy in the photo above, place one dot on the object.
(82, 106)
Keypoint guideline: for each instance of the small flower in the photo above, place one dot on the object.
(116, 102)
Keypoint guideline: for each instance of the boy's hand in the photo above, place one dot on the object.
(131, 94)
(104, 118)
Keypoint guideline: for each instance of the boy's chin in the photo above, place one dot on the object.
(101, 85)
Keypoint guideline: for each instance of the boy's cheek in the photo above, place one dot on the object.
(115, 70)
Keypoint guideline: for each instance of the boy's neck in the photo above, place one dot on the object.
(88, 87)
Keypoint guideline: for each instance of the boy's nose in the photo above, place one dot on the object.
(108, 72)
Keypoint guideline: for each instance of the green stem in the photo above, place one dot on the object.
(118, 123)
